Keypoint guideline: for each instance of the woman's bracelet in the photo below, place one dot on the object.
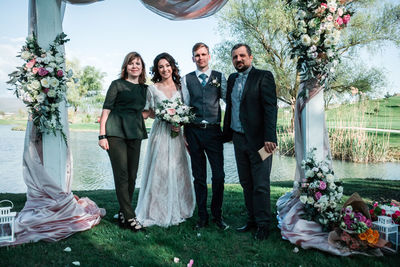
(102, 137)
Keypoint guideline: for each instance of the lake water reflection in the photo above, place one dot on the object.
(92, 168)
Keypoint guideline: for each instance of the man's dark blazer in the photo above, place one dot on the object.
(258, 108)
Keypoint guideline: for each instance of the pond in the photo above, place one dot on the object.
(92, 168)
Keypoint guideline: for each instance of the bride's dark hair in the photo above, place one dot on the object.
(174, 65)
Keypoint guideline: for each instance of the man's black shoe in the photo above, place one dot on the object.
(220, 224)
(201, 223)
(247, 227)
(262, 233)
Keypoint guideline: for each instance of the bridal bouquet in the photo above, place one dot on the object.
(320, 192)
(316, 36)
(41, 83)
(174, 112)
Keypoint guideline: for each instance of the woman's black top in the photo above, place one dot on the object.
(126, 102)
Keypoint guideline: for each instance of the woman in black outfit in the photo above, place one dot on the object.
(122, 129)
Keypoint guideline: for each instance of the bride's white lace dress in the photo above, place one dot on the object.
(166, 195)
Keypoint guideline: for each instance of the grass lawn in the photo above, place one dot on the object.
(107, 245)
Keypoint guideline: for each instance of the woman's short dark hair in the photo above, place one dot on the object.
(236, 46)
(174, 65)
(128, 58)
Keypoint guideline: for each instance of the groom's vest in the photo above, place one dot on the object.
(205, 100)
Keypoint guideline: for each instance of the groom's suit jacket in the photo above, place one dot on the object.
(258, 108)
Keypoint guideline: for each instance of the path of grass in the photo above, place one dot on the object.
(107, 245)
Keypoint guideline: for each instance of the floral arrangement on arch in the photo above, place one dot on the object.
(41, 83)
(174, 112)
(320, 192)
(317, 33)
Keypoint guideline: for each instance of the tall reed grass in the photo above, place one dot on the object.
(348, 140)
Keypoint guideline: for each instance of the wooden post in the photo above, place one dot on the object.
(48, 26)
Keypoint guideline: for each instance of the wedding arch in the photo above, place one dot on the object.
(47, 162)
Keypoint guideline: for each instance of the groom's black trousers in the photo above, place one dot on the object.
(208, 142)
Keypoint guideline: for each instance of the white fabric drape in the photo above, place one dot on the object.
(183, 10)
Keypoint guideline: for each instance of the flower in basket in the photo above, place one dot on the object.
(175, 113)
(320, 192)
(392, 210)
(41, 83)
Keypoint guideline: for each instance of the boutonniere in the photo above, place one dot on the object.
(214, 82)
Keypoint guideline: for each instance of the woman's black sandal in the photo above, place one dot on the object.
(135, 225)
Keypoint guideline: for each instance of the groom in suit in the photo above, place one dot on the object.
(202, 90)
(250, 121)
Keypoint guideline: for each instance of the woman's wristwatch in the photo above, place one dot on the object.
(102, 137)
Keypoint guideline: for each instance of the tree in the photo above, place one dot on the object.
(265, 25)
(86, 87)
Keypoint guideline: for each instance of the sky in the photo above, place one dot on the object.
(103, 33)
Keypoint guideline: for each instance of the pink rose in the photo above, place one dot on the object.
(322, 185)
(31, 63)
(60, 73)
(324, 6)
(45, 90)
(329, 18)
(339, 21)
(318, 195)
(35, 70)
(346, 19)
(340, 11)
(43, 72)
(375, 204)
(171, 111)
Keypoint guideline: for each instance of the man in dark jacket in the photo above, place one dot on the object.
(250, 121)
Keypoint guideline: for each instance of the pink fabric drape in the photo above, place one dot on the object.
(49, 214)
(183, 10)
(303, 233)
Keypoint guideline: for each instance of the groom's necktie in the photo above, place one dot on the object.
(203, 78)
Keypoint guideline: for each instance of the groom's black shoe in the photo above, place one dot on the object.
(220, 224)
(262, 233)
(201, 223)
(247, 227)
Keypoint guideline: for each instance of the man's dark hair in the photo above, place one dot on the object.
(236, 46)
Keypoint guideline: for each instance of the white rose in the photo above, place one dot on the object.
(327, 42)
(310, 200)
(330, 178)
(340, 189)
(49, 69)
(51, 93)
(315, 39)
(41, 97)
(59, 60)
(309, 173)
(303, 199)
(306, 40)
(35, 84)
(54, 82)
(25, 55)
(332, 186)
(329, 26)
(45, 82)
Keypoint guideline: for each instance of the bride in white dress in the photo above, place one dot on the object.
(166, 195)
